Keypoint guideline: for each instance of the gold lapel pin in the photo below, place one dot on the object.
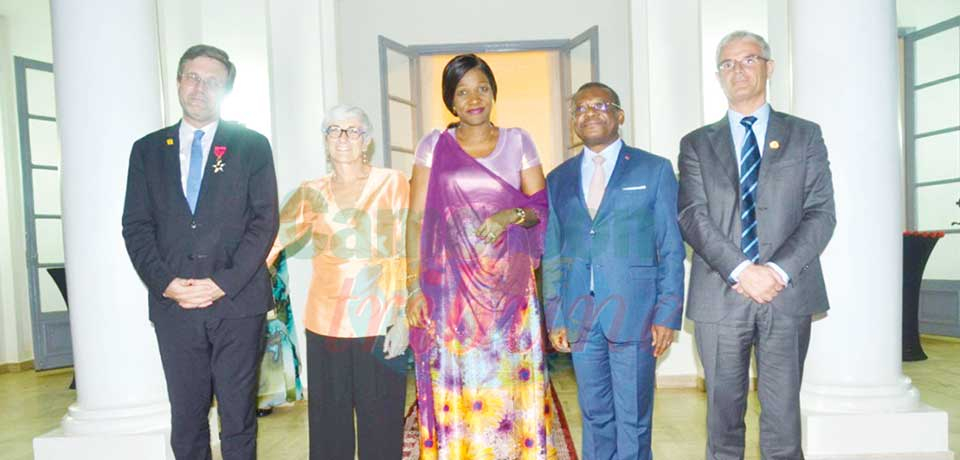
(774, 145)
(169, 141)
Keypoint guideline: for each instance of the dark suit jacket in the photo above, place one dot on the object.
(633, 245)
(228, 237)
(795, 215)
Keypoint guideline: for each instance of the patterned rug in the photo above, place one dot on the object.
(561, 438)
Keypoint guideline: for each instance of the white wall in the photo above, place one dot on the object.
(239, 27)
(918, 14)
(25, 31)
(440, 21)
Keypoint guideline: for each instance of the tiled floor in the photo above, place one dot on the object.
(33, 403)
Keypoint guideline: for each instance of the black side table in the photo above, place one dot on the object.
(59, 276)
(917, 247)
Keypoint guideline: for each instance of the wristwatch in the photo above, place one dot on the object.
(521, 216)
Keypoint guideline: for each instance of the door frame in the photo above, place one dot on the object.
(52, 345)
(911, 135)
(562, 46)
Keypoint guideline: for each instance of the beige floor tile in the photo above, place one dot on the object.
(33, 403)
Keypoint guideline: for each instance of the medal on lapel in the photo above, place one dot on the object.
(219, 151)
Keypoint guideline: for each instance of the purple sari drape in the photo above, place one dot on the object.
(475, 291)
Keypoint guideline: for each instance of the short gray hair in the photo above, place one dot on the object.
(344, 112)
(744, 35)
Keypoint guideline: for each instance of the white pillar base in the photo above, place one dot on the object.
(918, 456)
(98, 435)
(897, 396)
(129, 419)
(917, 434)
(56, 445)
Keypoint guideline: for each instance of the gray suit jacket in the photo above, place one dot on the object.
(795, 214)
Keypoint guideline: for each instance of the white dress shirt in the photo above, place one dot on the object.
(186, 142)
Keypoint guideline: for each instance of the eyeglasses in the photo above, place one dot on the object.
(605, 107)
(334, 132)
(210, 83)
(748, 62)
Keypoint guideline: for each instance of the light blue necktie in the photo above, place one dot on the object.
(749, 173)
(196, 170)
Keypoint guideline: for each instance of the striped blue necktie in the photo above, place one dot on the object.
(749, 173)
(196, 170)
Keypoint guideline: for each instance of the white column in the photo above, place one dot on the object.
(181, 26)
(674, 54)
(331, 70)
(640, 72)
(296, 55)
(301, 45)
(778, 36)
(667, 103)
(855, 397)
(108, 95)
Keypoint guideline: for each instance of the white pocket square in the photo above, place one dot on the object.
(635, 187)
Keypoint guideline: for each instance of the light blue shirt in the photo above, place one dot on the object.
(587, 166)
(739, 133)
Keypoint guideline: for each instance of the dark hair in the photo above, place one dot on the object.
(211, 52)
(596, 84)
(456, 69)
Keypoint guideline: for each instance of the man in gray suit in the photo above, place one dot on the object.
(756, 205)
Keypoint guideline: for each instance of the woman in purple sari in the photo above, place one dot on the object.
(478, 210)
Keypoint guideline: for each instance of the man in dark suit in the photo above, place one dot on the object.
(199, 218)
(756, 205)
(613, 275)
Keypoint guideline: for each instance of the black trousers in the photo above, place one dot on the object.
(203, 358)
(347, 376)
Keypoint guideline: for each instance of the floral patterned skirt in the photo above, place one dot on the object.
(490, 398)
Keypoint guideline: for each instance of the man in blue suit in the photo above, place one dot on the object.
(613, 275)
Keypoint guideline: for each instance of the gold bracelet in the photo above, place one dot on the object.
(522, 215)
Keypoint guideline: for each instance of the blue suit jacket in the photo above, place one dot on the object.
(633, 244)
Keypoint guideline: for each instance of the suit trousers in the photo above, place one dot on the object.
(348, 375)
(203, 358)
(779, 342)
(615, 384)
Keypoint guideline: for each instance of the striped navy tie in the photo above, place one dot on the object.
(749, 173)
